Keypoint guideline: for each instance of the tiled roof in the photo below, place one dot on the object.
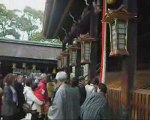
(33, 51)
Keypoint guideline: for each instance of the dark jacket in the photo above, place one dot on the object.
(82, 93)
(9, 107)
(95, 107)
(21, 100)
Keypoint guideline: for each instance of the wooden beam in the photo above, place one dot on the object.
(50, 15)
(47, 13)
(63, 17)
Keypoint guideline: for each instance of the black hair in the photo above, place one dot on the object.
(28, 81)
(102, 87)
(49, 76)
(74, 82)
(81, 78)
(95, 81)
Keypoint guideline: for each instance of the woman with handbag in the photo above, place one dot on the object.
(32, 100)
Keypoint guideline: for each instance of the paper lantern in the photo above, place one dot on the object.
(86, 41)
(118, 23)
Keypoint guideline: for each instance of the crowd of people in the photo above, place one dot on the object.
(53, 99)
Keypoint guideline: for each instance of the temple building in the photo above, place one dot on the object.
(17, 56)
(109, 39)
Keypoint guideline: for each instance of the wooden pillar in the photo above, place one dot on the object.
(0, 68)
(94, 33)
(103, 45)
(78, 71)
(129, 63)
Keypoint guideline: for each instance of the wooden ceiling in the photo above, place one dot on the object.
(61, 15)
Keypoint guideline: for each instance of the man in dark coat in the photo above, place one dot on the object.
(82, 89)
(95, 106)
(21, 100)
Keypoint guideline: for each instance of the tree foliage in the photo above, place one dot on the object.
(8, 23)
(38, 37)
(28, 21)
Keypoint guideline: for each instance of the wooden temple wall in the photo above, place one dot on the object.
(140, 108)
(140, 104)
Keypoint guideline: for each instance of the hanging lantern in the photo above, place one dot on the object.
(14, 66)
(64, 59)
(111, 1)
(54, 71)
(118, 23)
(24, 65)
(59, 62)
(33, 67)
(86, 41)
(73, 54)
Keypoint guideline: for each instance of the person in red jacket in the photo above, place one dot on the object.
(41, 93)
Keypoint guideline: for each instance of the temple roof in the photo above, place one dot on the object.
(60, 16)
(32, 50)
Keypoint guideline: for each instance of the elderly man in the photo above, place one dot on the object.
(66, 104)
(82, 89)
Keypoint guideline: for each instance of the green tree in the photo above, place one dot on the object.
(8, 23)
(30, 21)
(15, 22)
(38, 36)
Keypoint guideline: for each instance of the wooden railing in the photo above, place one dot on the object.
(140, 103)
(114, 100)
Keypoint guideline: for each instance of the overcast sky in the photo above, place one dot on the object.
(20, 4)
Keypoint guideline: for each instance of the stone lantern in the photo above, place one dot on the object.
(118, 23)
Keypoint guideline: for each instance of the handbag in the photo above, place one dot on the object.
(27, 107)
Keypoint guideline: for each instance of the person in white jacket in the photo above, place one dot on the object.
(32, 100)
(91, 87)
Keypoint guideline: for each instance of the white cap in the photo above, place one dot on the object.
(43, 75)
(61, 76)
